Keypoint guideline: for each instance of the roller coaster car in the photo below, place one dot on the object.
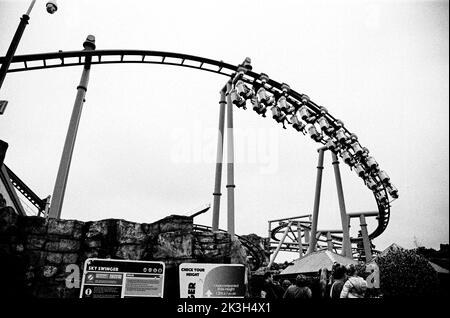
(243, 91)
(263, 96)
(325, 126)
(237, 100)
(296, 123)
(277, 114)
(304, 113)
(347, 157)
(360, 170)
(323, 123)
(357, 149)
(340, 135)
(313, 133)
(282, 103)
(393, 192)
(331, 145)
(371, 184)
(285, 106)
(384, 176)
(371, 163)
(381, 197)
(258, 108)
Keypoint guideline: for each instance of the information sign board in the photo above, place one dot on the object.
(113, 278)
(212, 280)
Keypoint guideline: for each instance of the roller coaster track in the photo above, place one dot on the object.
(322, 242)
(298, 101)
(279, 229)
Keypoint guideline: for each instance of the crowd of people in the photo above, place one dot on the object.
(341, 282)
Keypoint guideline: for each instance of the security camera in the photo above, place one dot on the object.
(52, 6)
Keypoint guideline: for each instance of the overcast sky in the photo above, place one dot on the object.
(147, 138)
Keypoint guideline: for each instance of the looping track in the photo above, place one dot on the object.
(73, 58)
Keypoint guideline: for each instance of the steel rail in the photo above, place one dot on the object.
(289, 246)
(61, 59)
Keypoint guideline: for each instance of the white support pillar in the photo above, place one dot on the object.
(230, 164)
(219, 160)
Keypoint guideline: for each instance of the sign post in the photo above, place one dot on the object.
(212, 280)
(112, 278)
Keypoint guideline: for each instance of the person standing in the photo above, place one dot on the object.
(279, 290)
(323, 282)
(285, 284)
(268, 290)
(339, 278)
(299, 290)
(355, 286)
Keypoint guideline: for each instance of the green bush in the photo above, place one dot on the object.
(403, 273)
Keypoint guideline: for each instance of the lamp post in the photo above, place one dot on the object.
(51, 8)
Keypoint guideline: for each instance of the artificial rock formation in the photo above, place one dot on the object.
(41, 256)
(262, 245)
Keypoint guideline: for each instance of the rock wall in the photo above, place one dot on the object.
(38, 254)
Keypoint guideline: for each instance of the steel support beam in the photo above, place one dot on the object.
(230, 164)
(346, 244)
(13, 47)
(313, 240)
(66, 158)
(292, 218)
(329, 242)
(365, 237)
(219, 161)
(357, 214)
(15, 43)
(279, 245)
(300, 243)
(307, 236)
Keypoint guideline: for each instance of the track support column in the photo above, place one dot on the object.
(346, 244)
(218, 178)
(230, 164)
(313, 236)
(329, 242)
(365, 237)
(299, 238)
(14, 44)
(66, 158)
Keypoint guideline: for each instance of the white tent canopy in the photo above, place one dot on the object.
(311, 263)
